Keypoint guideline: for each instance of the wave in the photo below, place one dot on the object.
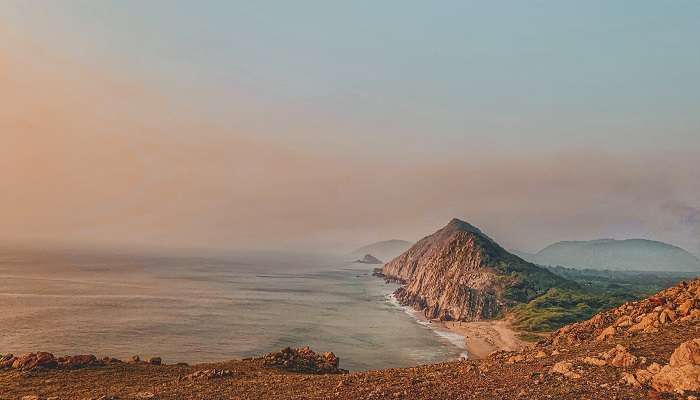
(453, 338)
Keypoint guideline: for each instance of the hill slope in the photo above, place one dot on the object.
(630, 254)
(459, 273)
(385, 250)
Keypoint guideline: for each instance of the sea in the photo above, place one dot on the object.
(205, 309)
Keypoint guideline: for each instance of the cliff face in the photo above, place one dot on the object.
(459, 273)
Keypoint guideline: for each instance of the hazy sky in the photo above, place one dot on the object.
(326, 125)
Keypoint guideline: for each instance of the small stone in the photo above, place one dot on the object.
(155, 361)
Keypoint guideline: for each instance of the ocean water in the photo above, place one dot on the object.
(202, 310)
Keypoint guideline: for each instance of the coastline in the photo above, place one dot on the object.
(482, 338)
(478, 338)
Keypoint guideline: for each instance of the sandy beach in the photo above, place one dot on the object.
(481, 338)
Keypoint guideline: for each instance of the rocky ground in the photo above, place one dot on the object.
(651, 353)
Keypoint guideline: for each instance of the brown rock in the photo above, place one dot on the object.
(304, 360)
(629, 379)
(6, 361)
(594, 361)
(155, 361)
(77, 361)
(608, 332)
(620, 357)
(565, 368)
(514, 359)
(686, 353)
(685, 308)
(34, 360)
(677, 379)
(683, 372)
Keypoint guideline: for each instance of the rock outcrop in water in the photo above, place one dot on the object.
(459, 273)
(369, 259)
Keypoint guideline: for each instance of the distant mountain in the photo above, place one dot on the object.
(523, 254)
(459, 273)
(630, 254)
(369, 259)
(385, 250)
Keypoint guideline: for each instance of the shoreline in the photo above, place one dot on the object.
(477, 338)
(482, 338)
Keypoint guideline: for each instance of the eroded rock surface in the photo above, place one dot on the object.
(459, 273)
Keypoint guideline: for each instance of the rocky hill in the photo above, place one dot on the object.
(459, 273)
(385, 250)
(630, 255)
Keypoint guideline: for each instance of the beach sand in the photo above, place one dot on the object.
(481, 338)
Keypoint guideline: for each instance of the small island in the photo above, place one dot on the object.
(369, 259)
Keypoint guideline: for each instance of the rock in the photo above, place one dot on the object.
(304, 360)
(594, 361)
(667, 316)
(677, 379)
(540, 354)
(683, 372)
(32, 361)
(514, 359)
(369, 259)
(565, 368)
(6, 361)
(608, 332)
(135, 359)
(629, 379)
(77, 361)
(145, 395)
(459, 273)
(209, 374)
(620, 357)
(624, 321)
(155, 361)
(643, 375)
(687, 353)
(685, 308)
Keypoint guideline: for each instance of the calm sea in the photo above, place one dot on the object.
(202, 310)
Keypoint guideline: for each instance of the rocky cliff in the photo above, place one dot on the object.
(459, 273)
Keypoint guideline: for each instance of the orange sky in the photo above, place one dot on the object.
(101, 155)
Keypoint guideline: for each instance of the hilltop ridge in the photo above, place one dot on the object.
(613, 254)
(459, 273)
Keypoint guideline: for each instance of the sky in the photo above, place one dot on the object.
(322, 125)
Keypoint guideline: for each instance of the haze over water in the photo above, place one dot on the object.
(197, 310)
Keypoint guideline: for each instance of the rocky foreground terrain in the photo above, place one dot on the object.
(648, 349)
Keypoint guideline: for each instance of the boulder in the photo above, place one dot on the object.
(629, 379)
(620, 357)
(683, 372)
(304, 360)
(565, 368)
(32, 361)
(77, 361)
(687, 353)
(155, 361)
(608, 332)
(685, 307)
(677, 379)
(594, 361)
(6, 361)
